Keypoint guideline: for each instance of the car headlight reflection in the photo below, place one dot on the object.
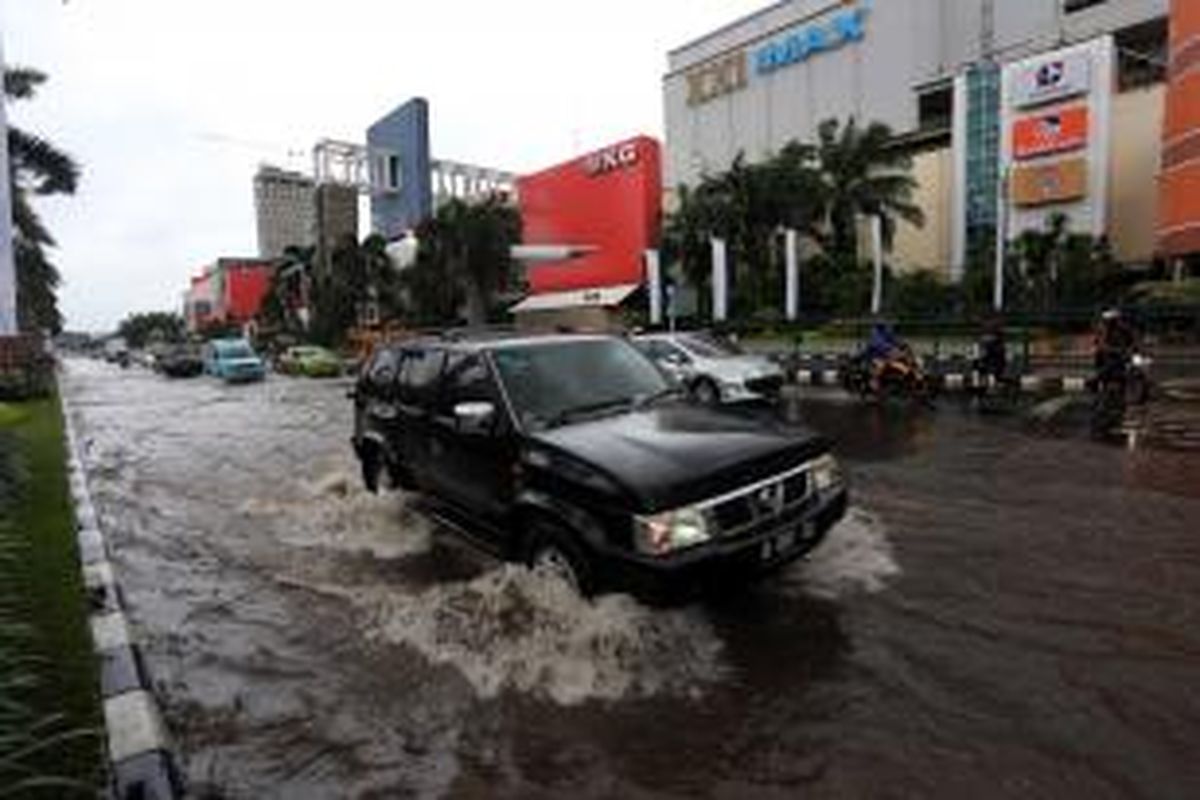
(826, 473)
(670, 531)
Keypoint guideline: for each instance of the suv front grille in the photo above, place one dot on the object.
(761, 503)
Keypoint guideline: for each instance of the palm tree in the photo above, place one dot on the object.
(465, 248)
(863, 174)
(37, 168)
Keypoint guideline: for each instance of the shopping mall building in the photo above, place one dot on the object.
(1013, 110)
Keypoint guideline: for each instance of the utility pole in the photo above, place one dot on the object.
(8, 273)
(987, 30)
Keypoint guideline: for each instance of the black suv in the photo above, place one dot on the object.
(577, 454)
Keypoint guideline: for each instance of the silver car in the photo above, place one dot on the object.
(713, 370)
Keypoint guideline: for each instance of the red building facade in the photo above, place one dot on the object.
(230, 292)
(607, 203)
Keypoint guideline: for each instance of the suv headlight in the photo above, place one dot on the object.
(826, 473)
(660, 534)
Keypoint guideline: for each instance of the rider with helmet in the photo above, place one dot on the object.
(1114, 342)
(882, 347)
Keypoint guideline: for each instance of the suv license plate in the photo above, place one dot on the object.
(778, 545)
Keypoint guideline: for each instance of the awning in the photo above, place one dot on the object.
(599, 297)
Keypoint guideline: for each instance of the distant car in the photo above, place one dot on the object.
(233, 360)
(180, 361)
(713, 370)
(311, 361)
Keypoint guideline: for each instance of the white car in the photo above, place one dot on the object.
(713, 370)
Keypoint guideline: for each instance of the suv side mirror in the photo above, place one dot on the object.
(474, 417)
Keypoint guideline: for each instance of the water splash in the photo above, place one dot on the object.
(856, 557)
(335, 512)
(515, 629)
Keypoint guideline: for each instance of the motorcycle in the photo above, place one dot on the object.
(1110, 389)
(991, 379)
(901, 375)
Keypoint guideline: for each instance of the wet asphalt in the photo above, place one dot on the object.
(1010, 610)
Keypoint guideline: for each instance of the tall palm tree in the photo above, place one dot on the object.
(863, 174)
(466, 247)
(37, 167)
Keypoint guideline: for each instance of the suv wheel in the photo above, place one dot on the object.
(552, 551)
(706, 392)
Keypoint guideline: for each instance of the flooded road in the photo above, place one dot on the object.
(1010, 610)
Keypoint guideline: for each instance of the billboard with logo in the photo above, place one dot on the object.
(607, 203)
(1052, 182)
(1047, 132)
(1056, 117)
(1060, 76)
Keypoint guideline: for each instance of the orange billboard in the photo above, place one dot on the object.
(1057, 182)
(1055, 131)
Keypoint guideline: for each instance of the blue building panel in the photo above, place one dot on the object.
(401, 195)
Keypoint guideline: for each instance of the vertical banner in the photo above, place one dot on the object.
(654, 286)
(791, 245)
(877, 254)
(720, 281)
(8, 275)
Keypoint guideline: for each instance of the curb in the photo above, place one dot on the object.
(959, 381)
(141, 764)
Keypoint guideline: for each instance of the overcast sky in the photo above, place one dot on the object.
(169, 105)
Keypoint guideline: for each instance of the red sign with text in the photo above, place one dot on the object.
(1051, 132)
(609, 200)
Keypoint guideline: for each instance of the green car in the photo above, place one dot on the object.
(311, 361)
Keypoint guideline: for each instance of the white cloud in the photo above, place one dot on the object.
(170, 104)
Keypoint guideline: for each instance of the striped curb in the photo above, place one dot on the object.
(141, 764)
(957, 381)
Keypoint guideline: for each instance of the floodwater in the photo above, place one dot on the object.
(1010, 610)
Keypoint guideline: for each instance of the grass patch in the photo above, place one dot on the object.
(50, 720)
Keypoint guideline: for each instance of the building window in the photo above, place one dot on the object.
(1142, 54)
(935, 109)
(1071, 6)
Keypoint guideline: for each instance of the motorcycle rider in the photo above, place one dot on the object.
(1113, 342)
(882, 347)
(992, 358)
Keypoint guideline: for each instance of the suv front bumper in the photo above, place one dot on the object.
(721, 564)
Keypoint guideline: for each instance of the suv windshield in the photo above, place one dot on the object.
(706, 346)
(551, 383)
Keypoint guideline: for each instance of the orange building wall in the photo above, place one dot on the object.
(1179, 209)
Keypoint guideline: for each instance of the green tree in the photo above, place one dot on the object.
(361, 287)
(863, 173)
(289, 291)
(139, 330)
(37, 168)
(465, 256)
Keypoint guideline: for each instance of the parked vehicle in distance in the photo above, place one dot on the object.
(180, 361)
(116, 351)
(311, 361)
(713, 370)
(575, 453)
(233, 360)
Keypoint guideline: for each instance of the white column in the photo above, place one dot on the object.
(1001, 237)
(720, 281)
(8, 273)
(654, 286)
(791, 244)
(958, 258)
(877, 253)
